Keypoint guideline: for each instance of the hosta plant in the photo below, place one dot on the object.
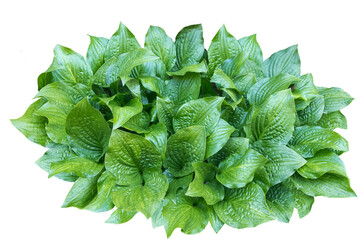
(185, 135)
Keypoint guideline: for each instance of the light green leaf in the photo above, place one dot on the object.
(56, 120)
(138, 123)
(220, 78)
(328, 185)
(165, 112)
(144, 197)
(32, 125)
(333, 120)
(306, 90)
(55, 154)
(204, 112)
(214, 219)
(274, 119)
(218, 138)
(121, 41)
(302, 202)
(177, 184)
(187, 213)
(184, 148)
(309, 140)
(335, 99)
(161, 45)
(223, 46)
(323, 162)
(251, 46)
(74, 68)
(283, 161)
(154, 84)
(252, 68)
(102, 201)
(244, 207)
(122, 114)
(182, 89)
(266, 87)
(121, 216)
(129, 155)
(189, 44)
(81, 193)
(194, 68)
(157, 218)
(283, 61)
(239, 168)
(158, 137)
(102, 74)
(233, 145)
(205, 184)
(243, 83)
(280, 201)
(122, 66)
(88, 132)
(313, 112)
(262, 179)
(232, 67)
(96, 51)
(81, 167)
(64, 95)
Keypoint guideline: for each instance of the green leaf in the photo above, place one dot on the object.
(306, 89)
(313, 112)
(121, 216)
(262, 179)
(218, 138)
(87, 130)
(81, 167)
(187, 213)
(122, 114)
(144, 197)
(161, 45)
(203, 111)
(214, 219)
(220, 78)
(223, 46)
(283, 61)
(102, 201)
(189, 44)
(233, 145)
(121, 41)
(266, 87)
(239, 168)
(251, 46)
(165, 112)
(154, 84)
(128, 156)
(328, 185)
(58, 153)
(182, 89)
(323, 162)
(252, 68)
(177, 184)
(194, 68)
(244, 207)
(243, 83)
(335, 99)
(81, 193)
(158, 137)
(302, 202)
(282, 161)
(32, 125)
(205, 184)
(280, 201)
(74, 68)
(333, 120)
(96, 51)
(274, 119)
(122, 66)
(138, 123)
(184, 148)
(232, 67)
(309, 140)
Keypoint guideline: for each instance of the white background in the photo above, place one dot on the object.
(329, 44)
